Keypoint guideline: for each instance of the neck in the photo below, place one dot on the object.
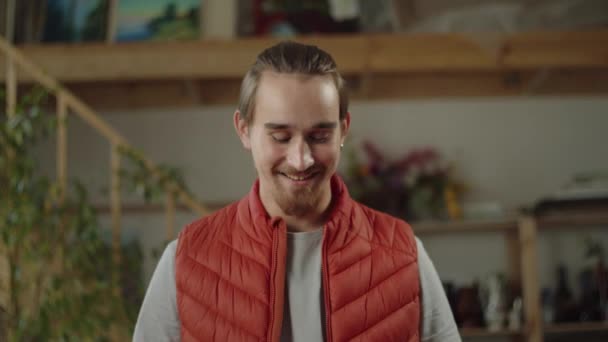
(313, 219)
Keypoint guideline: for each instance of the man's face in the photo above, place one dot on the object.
(295, 138)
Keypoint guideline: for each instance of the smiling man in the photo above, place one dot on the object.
(296, 259)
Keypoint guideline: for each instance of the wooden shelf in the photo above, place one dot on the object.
(377, 66)
(579, 218)
(482, 332)
(355, 54)
(563, 328)
(152, 208)
(438, 227)
(423, 227)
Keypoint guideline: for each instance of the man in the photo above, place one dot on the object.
(296, 259)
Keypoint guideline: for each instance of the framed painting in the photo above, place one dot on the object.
(75, 20)
(138, 20)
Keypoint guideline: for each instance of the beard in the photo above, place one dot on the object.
(300, 201)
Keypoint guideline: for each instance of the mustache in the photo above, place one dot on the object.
(291, 171)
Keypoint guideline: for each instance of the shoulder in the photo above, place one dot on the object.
(385, 228)
(208, 226)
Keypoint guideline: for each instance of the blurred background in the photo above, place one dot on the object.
(482, 123)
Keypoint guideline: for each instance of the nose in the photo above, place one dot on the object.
(299, 156)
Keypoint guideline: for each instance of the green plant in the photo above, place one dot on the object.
(50, 241)
(58, 283)
(149, 184)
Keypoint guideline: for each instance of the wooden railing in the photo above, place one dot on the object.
(68, 103)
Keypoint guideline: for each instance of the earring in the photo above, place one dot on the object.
(342, 145)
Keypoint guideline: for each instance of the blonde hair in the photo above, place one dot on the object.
(290, 58)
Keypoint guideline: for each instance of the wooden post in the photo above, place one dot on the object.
(531, 289)
(6, 276)
(513, 265)
(11, 72)
(115, 209)
(62, 146)
(170, 215)
(62, 174)
(11, 88)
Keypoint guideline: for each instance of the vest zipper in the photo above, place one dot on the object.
(325, 275)
(278, 282)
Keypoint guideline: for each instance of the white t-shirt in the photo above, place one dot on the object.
(303, 319)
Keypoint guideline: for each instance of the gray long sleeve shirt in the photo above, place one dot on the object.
(303, 317)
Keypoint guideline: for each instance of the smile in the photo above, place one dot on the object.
(299, 178)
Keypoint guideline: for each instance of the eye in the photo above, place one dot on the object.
(280, 137)
(320, 137)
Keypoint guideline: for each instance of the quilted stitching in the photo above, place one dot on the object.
(373, 285)
(228, 283)
(388, 316)
(210, 309)
(249, 258)
(381, 251)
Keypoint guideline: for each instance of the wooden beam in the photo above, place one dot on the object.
(463, 226)
(11, 88)
(62, 146)
(115, 205)
(355, 54)
(483, 332)
(30, 70)
(170, 216)
(576, 327)
(489, 51)
(478, 83)
(157, 94)
(153, 209)
(174, 60)
(530, 285)
(171, 94)
(579, 218)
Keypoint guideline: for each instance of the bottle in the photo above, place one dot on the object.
(563, 302)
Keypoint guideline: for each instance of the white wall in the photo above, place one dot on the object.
(511, 150)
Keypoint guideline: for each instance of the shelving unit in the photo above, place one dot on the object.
(565, 328)
(377, 66)
(521, 234)
(439, 227)
(564, 220)
(480, 332)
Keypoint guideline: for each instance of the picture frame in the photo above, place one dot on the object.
(154, 20)
(75, 20)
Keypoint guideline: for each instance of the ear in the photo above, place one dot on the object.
(242, 129)
(344, 127)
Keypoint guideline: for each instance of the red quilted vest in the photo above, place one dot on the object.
(230, 274)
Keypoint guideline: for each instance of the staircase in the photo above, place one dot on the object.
(68, 104)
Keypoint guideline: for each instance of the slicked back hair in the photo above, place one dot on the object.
(290, 58)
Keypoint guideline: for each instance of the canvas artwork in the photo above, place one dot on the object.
(157, 20)
(75, 20)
